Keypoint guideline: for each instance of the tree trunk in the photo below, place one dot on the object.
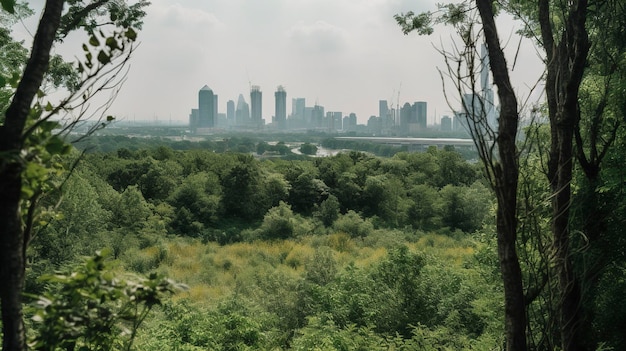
(506, 174)
(565, 66)
(13, 239)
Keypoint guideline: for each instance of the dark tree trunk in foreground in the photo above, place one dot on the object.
(506, 173)
(565, 62)
(13, 238)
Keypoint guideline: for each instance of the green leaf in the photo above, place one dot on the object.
(131, 34)
(93, 41)
(103, 58)
(112, 43)
(49, 107)
(56, 146)
(8, 5)
(110, 118)
(3, 81)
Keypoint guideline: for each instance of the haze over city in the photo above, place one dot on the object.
(344, 55)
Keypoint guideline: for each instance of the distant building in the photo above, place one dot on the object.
(230, 112)
(281, 107)
(421, 118)
(206, 108)
(349, 122)
(406, 116)
(298, 106)
(317, 116)
(446, 124)
(242, 113)
(333, 121)
(383, 109)
(256, 106)
(194, 118)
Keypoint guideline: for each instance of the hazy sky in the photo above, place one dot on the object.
(344, 54)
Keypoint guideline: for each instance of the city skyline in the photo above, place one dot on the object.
(256, 99)
(346, 55)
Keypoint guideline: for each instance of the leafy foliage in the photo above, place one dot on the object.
(93, 310)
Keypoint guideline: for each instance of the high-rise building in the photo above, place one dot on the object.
(230, 112)
(206, 108)
(446, 124)
(333, 121)
(193, 118)
(256, 105)
(383, 109)
(242, 113)
(297, 108)
(421, 109)
(406, 116)
(281, 107)
(317, 116)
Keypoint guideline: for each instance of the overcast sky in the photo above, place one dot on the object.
(345, 54)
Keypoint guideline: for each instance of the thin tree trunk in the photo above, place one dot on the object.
(13, 239)
(506, 174)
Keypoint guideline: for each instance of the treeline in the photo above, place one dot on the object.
(242, 143)
(204, 194)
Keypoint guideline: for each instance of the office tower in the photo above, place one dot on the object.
(215, 110)
(421, 114)
(230, 112)
(298, 106)
(383, 109)
(242, 113)
(446, 124)
(281, 107)
(349, 122)
(406, 116)
(256, 105)
(193, 118)
(337, 125)
(317, 116)
(206, 108)
(333, 121)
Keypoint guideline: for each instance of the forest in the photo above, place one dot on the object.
(117, 243)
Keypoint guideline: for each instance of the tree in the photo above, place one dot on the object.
(501, 167)
(28, 142)
(565, 31)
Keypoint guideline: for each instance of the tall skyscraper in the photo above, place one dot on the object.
(206, 108)
(281, 107)
(421, 110)
(297, 108)
(256, 105)
(406, 116)
(383, 109)
(242, 113)
(230, 112)
(317, 116)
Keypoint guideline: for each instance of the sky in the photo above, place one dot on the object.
(346, 55)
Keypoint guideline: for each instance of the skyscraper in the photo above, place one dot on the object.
(256, 106)
(421, 110)
(206, 108)
(230, 112)
(281, 107)
(242, 113)
(383, 109)
(297, 108)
